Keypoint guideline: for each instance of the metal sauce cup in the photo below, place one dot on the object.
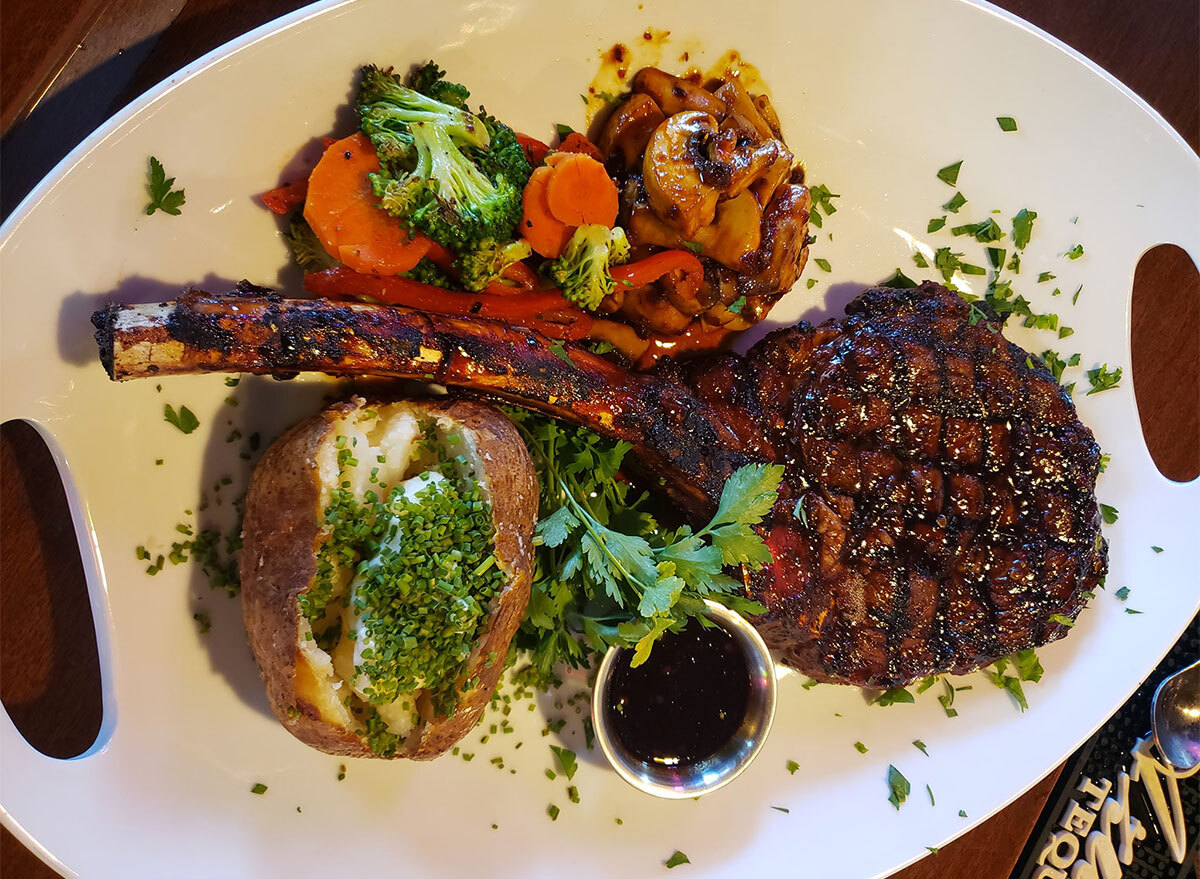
(680, 782)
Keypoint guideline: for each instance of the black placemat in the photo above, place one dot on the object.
(1101, 760)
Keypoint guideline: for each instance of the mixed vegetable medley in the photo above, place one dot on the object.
(684, 222)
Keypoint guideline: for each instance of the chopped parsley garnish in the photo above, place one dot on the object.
(920, 261)
(946, 261)
(737, 305)
(1028, 667)
(1014, 264)
(823, 264)
(1122, 593)
(232, 381)
(573, 794)
(552, 810)
(1022, 229)
(792, 766)
(996, 256)
(1075, 252)
(932, 849)
(947, 699)
(935, 224)
(1131, 610)
(783, 809)
(1075, 295)
(899, 786)
(899, 280)
(983, 232)
(821, 198)
(860, 747)
(920, 746)
(929, 791)
(810, 283)
(566, 760)
(956, 202)
(694, 246)
(1062, 620)
(559, 350)
(949, 174)
(563, 129)
(962, 813)
(1045, 276)
(894, 695)
(1157, 548)
(203, 622)
(1006, 123)
(1102, 380)
(1108, 514)
(162, 196)
(676, 859)
(341, 773)
(184, 419)
(259, 788)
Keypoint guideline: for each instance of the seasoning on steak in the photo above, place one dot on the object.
(938, 502)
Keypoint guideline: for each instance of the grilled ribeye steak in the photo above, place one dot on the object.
(937, 508)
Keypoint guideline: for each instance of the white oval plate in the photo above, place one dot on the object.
(875, 97)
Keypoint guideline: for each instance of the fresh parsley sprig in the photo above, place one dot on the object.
(162, 196)
(606, 572)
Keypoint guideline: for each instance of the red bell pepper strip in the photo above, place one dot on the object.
(648, 270)
(577, 143)
(535, 150)
(286, 198)
(546, 311)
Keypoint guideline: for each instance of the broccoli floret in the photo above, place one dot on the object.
(307, 250)
(427, 272)
(440, 175)
(479, 267)
(504, 157)
(582, 270)
(430, 80)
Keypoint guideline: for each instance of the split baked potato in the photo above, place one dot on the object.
(385, 568)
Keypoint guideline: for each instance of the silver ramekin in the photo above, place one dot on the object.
(681, 782)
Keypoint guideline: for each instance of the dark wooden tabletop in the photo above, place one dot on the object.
(73, 63)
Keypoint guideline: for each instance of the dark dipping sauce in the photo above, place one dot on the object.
(684, 702)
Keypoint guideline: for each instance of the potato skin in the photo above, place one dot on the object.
(281, 536)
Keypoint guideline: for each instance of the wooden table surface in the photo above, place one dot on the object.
(85, 59)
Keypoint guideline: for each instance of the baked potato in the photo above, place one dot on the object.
(386, 566)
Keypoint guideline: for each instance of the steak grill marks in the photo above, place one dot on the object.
(937, 504)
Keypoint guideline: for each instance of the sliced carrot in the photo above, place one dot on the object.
(286, 198)
(581, 192)
(535, 150)
(577, 143)
(545, 234)
(342, 210)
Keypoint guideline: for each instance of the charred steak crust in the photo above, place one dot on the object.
(937, 507)
(939, 501)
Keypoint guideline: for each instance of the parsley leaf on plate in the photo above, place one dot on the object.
(1102, 380)
(1022, 229)
(162, 196)
(949, 174)
(184, 419)
(676, 859)
(899, 786)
